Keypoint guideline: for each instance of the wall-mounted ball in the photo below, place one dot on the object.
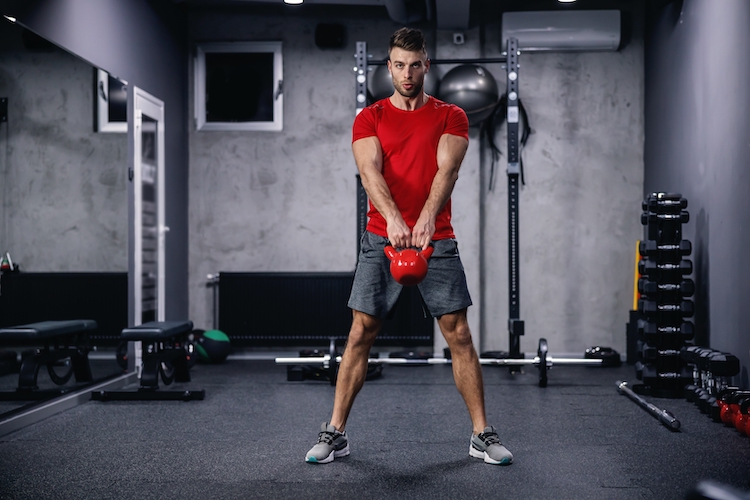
(380, 82)
(471, 87)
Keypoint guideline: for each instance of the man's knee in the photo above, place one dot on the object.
(455, 328)
(364, 329)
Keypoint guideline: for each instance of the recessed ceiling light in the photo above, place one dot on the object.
(293, 2)
(566, 1)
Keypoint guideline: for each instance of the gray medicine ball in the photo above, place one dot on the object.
(472, 88)
(380, 82)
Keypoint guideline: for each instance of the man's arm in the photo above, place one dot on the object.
(368, 156)
(450, 154)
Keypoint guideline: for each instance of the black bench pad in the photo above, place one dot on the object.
(45, 330)
(157, 330)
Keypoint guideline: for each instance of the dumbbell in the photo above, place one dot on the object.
(664, 201)
(664, 359)
(691, 355)
(685, 287)
(652, 376)
(715, 367)
(662, 272)
(651, 249)
(722, 364)
(666, 334)
(685, 308)
(650, 217)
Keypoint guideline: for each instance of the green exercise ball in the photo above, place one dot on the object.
(213, 346)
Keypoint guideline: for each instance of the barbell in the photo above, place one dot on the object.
(542, 361)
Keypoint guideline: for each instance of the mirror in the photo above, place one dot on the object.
(63, 190)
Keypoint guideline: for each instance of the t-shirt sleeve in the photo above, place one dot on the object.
(457, 123)
(364, 125)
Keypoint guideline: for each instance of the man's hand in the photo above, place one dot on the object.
(399, 234)
(423, 231)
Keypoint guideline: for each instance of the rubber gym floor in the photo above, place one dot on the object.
(409, 431)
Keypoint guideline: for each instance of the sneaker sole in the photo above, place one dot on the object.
(334, 454)
(483, 455)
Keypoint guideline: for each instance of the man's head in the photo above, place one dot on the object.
(407, 61)
(409, 39)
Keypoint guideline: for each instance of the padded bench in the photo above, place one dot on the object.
(164, 354)
(56, 341)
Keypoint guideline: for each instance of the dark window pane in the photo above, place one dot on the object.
(239, 87)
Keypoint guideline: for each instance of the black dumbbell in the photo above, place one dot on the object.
(651, 249)
(662, 272)
(650, 217)
(660, 201)
(685, 288)
(666, 334)
(723, 364)
(651, 375)
(686, 308)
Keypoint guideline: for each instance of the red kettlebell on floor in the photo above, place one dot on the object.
(408, 266)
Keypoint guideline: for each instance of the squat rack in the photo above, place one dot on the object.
(510, 59)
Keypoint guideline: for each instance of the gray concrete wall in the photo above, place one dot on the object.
(62, 186)
(264, 201)
(697, 128)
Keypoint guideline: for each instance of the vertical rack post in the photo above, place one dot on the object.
(361, 71)
(515, 324)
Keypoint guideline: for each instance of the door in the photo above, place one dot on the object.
(149, 229)
(148, 190)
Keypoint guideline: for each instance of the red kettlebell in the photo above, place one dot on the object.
(408, 266)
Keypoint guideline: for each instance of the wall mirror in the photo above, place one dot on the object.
(64, 196)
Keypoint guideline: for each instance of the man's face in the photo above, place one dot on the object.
(407, 70)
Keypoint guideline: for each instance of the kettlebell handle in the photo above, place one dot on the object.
(391, 252)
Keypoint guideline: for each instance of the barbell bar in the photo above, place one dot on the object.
(542, 361)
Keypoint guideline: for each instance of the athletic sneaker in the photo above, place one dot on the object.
(487, 445)
(331, 444)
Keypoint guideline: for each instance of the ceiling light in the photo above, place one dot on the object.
(566, 1)
(10, 18)
(293, 2)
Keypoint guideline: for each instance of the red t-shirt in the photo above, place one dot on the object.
(409, 140)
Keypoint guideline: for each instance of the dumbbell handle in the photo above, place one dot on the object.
(664, 416)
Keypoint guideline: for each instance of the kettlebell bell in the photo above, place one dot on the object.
(408, 266)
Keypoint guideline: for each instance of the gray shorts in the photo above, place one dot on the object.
(375, 292)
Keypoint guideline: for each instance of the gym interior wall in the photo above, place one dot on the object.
(285, 201)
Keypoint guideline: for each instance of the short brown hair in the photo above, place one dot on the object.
(409, 39)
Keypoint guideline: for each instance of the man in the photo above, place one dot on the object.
(408, 149)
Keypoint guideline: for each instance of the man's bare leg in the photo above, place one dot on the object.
(467, 372)
(353, 367)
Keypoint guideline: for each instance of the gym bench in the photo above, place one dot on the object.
(59, 340)
(164, 355)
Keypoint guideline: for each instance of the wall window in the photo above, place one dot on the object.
(238, 86)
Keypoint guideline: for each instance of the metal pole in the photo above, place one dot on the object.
(515, 324)
(664, 416)
(325, 360)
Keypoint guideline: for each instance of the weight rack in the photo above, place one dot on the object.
(664, 305)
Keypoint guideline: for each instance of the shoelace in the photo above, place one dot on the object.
(325, 437)
(489, 438)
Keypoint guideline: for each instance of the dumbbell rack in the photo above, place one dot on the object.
(663, 305)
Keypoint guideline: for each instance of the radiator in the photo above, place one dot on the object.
(308, 309)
